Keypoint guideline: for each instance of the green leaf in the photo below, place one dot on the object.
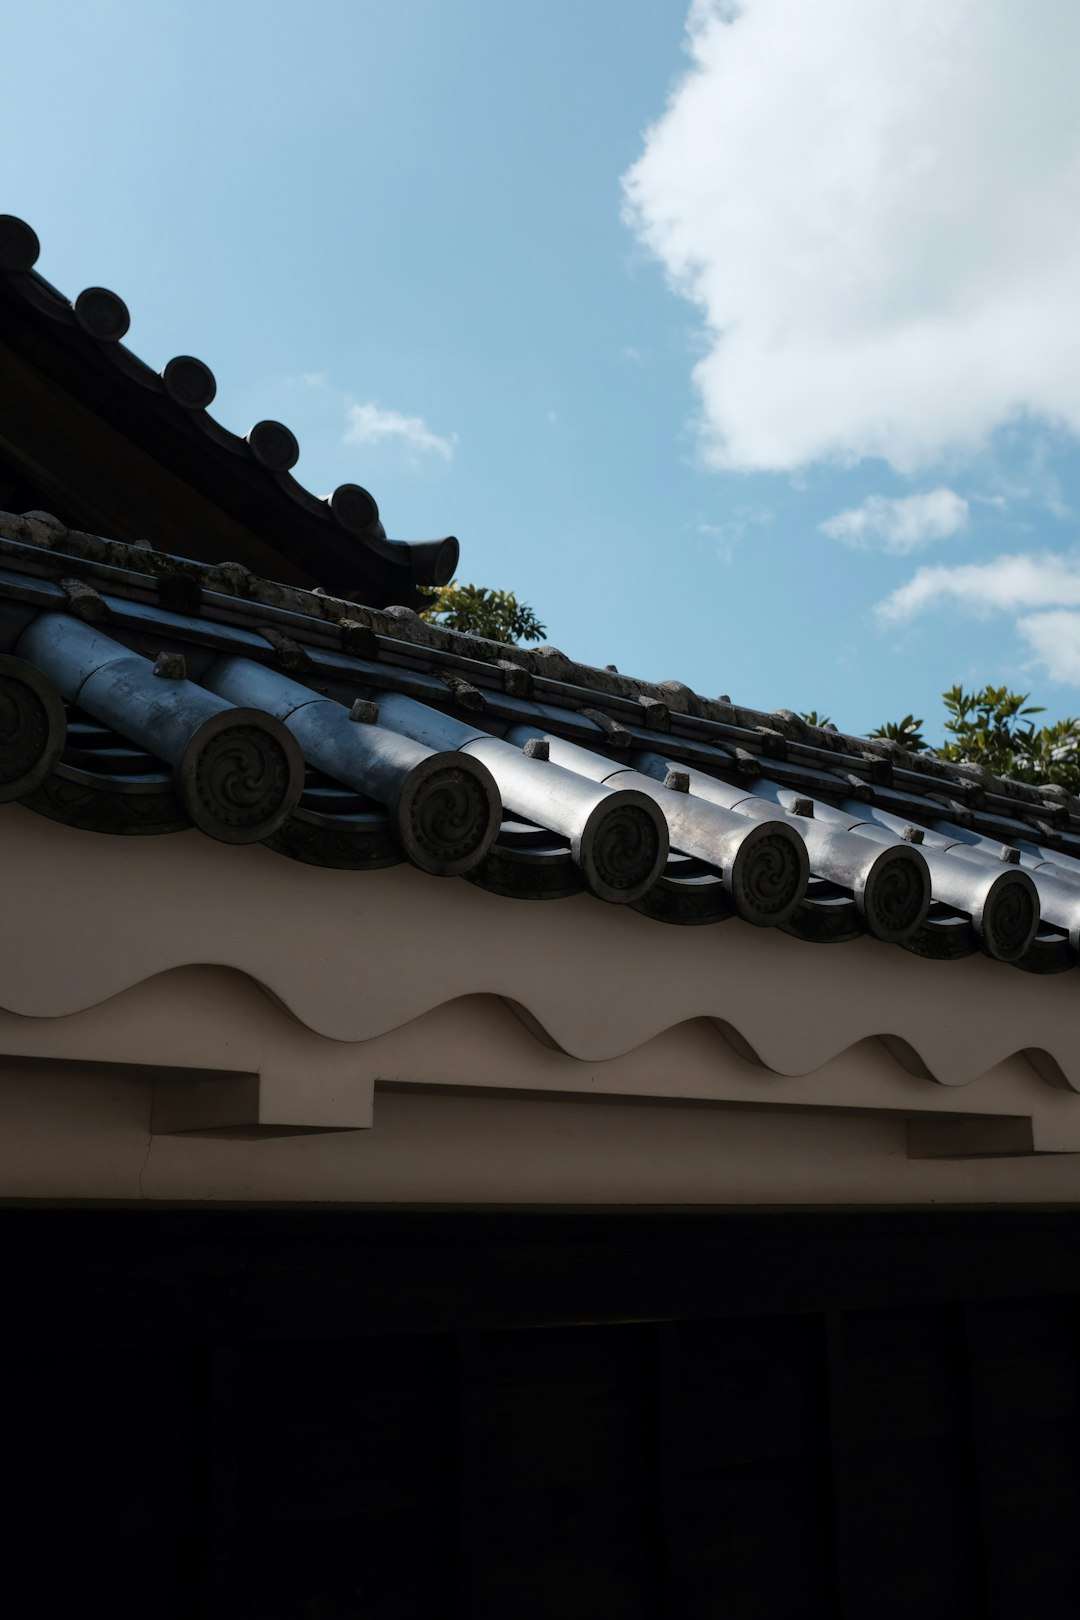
(478, 611)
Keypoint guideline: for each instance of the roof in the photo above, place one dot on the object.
(142, 693)
(109, 443)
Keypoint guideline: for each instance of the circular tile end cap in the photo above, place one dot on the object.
(102, 314)
(623, 846)
(895, 895)
(445, 563)
(274, 446)
(33, 726)
(769, 874)
(19, 246)
(241, 775)
(448, 814)
(354, 508)
(189, 382)
(1010, 916)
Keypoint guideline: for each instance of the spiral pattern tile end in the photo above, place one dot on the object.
(1010, 917)
(623, 849)
(32, 728)
(769, 875)
(241, 778)
(896, 894)
(448, 815)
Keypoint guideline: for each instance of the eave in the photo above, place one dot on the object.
(998, 863)
(116, 447)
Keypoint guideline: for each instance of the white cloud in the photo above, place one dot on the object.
(1005, 584)
(1054, 638)
(373, 424)
(1048, 586)
(876, 206)
(901, 524)
(729, 535)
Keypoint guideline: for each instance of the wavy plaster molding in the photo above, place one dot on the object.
(150, 1095)
(353, 956)
(217, 1053)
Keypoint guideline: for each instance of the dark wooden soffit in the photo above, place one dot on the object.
(91, 432)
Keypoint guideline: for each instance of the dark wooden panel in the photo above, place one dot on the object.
(746, 1471)
(905, 1468)
(138, 1276)
(559, 1511)
(104, 1468)
(345, 1486)
(314, 1414)
(1024, 1386)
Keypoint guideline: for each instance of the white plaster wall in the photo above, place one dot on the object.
(439, 1044)
(352, 955)
(67, 1135)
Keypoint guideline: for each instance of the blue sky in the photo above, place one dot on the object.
(744, 351)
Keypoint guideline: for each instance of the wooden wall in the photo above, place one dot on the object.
(541, 1417)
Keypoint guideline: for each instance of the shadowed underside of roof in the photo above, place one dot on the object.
(143, 693)
(94, 432)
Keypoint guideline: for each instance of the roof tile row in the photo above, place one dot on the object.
(340, 528)
(143, 692)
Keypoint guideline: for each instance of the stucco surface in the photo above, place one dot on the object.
(191, 1022)
(66, 1134)
(353, 955)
